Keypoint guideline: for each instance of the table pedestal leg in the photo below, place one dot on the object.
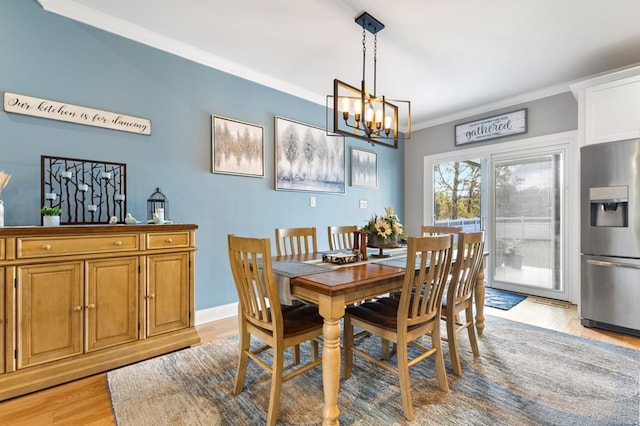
(331, 311)
(479, 296)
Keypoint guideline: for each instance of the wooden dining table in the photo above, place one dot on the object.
(332, 291)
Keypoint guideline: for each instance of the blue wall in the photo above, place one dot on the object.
(51, 57)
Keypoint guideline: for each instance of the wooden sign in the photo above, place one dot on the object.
(43, 108)
(499, 126)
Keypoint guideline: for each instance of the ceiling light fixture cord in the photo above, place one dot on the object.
(375, 65)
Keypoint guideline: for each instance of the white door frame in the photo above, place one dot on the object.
(571, 237)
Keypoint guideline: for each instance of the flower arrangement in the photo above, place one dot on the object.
(387, 227)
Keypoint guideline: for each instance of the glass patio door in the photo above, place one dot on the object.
(457, 197)
(527, 221)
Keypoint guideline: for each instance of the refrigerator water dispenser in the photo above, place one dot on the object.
(609, 206)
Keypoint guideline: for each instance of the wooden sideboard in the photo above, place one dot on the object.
(82, 299)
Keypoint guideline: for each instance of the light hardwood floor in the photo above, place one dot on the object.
(86, 401)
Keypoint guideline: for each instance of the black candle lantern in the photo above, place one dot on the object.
(158, 204)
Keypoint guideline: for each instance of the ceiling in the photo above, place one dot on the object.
(450, 58)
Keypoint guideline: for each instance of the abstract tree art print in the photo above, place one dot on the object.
(364, 168)
(238, 147)
(308, 159)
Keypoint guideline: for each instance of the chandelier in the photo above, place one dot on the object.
(358, 113)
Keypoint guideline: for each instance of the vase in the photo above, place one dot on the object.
(50, 220)
(1, 213)
(375, 240)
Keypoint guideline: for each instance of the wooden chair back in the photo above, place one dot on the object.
(429, 230)
(296, 241)
(250, 260)
(425, 280)
(341, 237)
(466, 267)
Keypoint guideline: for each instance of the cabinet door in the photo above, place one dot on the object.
(612, 111)
(167, 293)
(50, 312)
(3, 321)
(112, 302)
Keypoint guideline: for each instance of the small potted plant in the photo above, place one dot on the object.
(50, 215)
(513, 256)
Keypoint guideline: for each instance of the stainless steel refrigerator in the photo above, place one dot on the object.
(610, 236)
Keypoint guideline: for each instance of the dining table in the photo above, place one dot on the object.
(333, 287)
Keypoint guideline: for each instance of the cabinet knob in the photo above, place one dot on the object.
(91, 306)
(46, 247)
(169, 240)
(77, 308)
(118, 243)
(151, 296)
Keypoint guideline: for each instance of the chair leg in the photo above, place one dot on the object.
(245, 340)
(276, 385)
(296, 354)
(452, 341)
(441, 372)
(405, 384)
(314, 350)
(347, 345)
(471, 329)
(386, 350)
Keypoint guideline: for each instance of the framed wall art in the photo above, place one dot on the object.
(511, 123)
(364, 168)
(87, 191)
(237, 147)
(308, 159)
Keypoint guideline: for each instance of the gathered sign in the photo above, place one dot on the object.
(36, 107)
(508, 124)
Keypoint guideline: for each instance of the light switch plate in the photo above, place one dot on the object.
(363, 204)
(312, 201)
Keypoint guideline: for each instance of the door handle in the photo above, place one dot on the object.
(612, 264)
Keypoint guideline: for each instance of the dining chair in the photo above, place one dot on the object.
(405, 320)
(341, 237)
(260, 315)
(429, 230)
(296, 241)
(459, 296)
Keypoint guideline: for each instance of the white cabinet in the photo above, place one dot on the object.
(609, 107)
(612, 111)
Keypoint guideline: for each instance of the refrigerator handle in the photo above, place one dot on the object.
(612, 264)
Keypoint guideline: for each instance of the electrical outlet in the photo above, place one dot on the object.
(363, 204)
(312, 201)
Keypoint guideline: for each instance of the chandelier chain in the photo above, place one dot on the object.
(364, 52)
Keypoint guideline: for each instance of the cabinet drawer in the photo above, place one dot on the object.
(57, 246)
(2, 249)
(168, 240)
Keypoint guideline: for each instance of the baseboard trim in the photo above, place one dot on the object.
(216, 313)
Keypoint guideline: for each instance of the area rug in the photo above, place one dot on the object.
(525, 376)
(501, 299)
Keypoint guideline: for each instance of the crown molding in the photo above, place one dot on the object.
(493, 106)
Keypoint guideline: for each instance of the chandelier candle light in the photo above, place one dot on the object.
(364, 115)
(4, 181)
